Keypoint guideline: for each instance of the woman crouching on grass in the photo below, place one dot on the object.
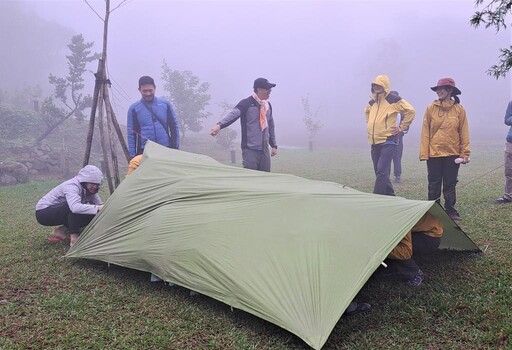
(72, 205)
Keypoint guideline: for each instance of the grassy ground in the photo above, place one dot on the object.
(47, 302)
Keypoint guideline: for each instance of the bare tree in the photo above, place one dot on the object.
(68, 99)
(188, 95)
(226, 136)
(311, 121)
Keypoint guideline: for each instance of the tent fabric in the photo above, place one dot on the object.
(292, 251)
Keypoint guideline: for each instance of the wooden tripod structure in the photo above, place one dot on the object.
(101, 104)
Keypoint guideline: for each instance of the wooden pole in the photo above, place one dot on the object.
(103, 143)
(101, 98)
(110, 128)
(97, 86)
(117, 128)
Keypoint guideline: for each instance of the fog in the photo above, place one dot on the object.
(327, 50)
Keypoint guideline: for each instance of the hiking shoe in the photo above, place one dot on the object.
(397, 180)
(455, 217)
(502, 200)
(355, 308)
(388, 272)
(416, 280)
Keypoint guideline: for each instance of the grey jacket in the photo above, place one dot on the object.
(248, 111)
(74, 194)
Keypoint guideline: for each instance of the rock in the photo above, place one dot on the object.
(11, 169)
(7, 180)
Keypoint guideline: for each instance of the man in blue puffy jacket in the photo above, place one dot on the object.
(151, 118)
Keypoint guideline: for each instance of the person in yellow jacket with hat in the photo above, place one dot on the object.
(444, 138)
(383, 130)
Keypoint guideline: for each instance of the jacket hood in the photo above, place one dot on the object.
(383, 81)
(91, 174)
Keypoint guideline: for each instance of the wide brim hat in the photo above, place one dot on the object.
(447, 82)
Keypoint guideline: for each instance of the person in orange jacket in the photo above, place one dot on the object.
(423, 238)
(444, 138)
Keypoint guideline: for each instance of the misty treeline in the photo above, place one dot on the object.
(36, 47)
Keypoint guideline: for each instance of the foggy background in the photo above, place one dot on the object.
(329, 50)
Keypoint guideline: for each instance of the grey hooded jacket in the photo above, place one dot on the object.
(72, 192)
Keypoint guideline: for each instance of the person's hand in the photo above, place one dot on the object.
(215, 130)
(100, 207)
(273, 152)
(395, 130)
(465, 160)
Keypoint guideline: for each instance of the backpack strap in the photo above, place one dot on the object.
(136, 131)
(166, 127)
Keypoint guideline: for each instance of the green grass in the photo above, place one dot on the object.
(47, 302)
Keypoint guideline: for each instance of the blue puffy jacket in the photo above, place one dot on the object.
(155, 121)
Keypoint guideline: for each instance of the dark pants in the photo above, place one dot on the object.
(256, 160)
(55, 216)
(421, 244)
(382, 155)
(442, 173)
(397, 159)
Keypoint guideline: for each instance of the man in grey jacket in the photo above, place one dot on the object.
(72, 205)
(257, 122)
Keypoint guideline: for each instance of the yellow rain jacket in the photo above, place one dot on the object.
(382, 111)
(445, 131)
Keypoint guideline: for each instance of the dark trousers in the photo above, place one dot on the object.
(397, 159)
(421, 244)
(382, 155)
(62, 215)
(256, 160)
(442, 174)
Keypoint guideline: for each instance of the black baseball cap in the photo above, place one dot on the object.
(263, 83)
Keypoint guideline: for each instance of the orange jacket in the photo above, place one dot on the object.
(428, 225)
(134, 164)
(445, 131)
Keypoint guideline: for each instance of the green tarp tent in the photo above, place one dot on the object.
(292, 251)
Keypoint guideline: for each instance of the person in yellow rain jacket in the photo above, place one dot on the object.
(444, 138)
(423, 238)
(134, 164)
(383, 130)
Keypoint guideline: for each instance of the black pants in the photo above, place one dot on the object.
(443, 173)
(382, 155)
(256, 160)
(397, 159)
(62, 215)
(421, 244)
